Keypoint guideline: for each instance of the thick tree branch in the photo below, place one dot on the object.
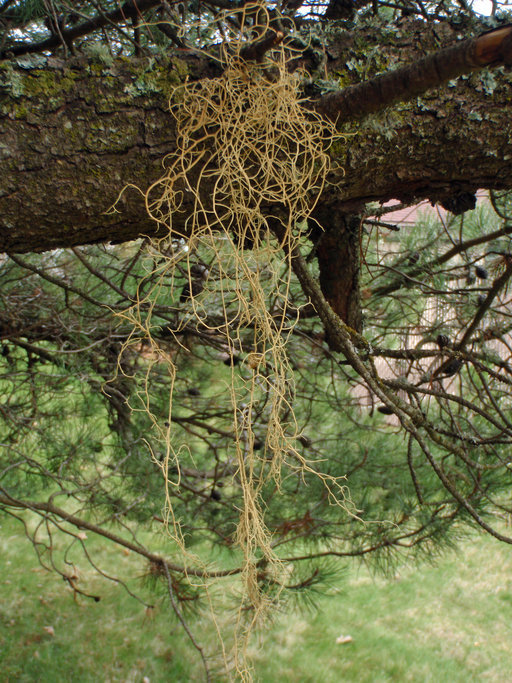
(74, 133)
(490, 49)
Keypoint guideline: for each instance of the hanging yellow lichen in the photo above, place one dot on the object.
(250, 164)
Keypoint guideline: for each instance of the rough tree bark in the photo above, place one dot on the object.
(74, 133)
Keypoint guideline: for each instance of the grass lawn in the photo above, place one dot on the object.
(451, 622)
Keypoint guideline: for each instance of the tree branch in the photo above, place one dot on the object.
(490, 49)
(129, 10)
(50, 509)
(498, 284)
(78, 137)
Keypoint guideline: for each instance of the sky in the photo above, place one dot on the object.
(482, 6)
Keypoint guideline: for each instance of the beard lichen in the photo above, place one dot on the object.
(250, 163)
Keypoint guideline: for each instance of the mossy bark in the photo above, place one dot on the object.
(74, 133)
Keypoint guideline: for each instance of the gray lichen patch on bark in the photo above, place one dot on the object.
(72, 136)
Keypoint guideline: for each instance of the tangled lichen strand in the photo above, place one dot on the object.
(247, 138)
(249, 158)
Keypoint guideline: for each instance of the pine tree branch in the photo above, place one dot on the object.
(128, 10)
(51, 509)
(490, 49)
(498, 284)
(459, 248)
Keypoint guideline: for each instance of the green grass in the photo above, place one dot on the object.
(446, 623)
(116, 639)
(451, 622)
